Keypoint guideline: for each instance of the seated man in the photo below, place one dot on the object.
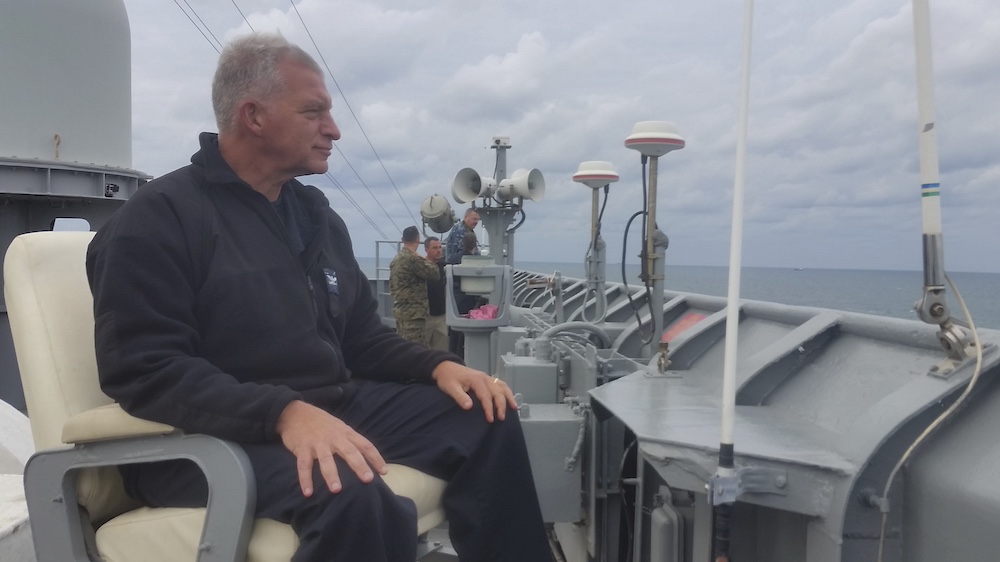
(228, 302)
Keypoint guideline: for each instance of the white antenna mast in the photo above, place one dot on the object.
(932, 307)
(726, 471)
(596, 174)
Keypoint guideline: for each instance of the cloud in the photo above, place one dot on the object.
(832, 176)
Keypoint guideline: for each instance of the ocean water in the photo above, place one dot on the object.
(879, 292)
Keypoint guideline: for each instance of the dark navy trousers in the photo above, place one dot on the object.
(490, 500)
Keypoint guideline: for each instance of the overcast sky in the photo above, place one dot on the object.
(832, 172)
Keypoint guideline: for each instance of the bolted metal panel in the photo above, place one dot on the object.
(552, 432)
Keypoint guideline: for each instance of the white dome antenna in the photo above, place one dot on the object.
(595, 174)
(654, 138)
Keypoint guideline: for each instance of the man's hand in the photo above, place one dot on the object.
(312, 435)
(458, 381)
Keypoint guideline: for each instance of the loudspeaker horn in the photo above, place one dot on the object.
(469, 184)
(436, 213)
(522, 183)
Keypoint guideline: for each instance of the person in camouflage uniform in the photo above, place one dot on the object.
(436, 327)
(408, 277)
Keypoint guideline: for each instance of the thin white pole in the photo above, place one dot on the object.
(930, 189)
(736, 238)
(723, 509)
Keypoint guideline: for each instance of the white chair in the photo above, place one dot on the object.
(71, 483)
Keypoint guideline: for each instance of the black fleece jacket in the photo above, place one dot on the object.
(208, 320)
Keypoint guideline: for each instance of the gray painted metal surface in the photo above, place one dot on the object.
(552, 433)
(827, 403)
(66, 90)
(66, 141)
(52, 503)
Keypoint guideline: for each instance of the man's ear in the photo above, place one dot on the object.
(251, 116)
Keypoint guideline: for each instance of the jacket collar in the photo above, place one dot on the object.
(218, 171)
(210, 159)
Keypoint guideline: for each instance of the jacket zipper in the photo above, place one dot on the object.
(312, 288)
(312, 297)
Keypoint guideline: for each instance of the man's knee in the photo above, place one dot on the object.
(507, 428)
(280, 497)
(363, 521)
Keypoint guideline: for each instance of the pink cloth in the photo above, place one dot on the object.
(485, 312)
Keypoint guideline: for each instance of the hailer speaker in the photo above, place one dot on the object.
(436, 213)
(469, 185)
(522, 183)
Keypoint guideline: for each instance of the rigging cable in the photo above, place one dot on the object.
(351, 166)
(243, 16)
(351, 109)
(196, 26)
(350, 199)
(193, 11)
(217, 50)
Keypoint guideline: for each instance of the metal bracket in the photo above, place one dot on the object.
(662, 357)
(949, 365)
(747, 480)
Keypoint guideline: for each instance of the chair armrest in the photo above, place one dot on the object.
(109, 422)
(50, 490)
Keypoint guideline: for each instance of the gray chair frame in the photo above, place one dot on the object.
(50, 490)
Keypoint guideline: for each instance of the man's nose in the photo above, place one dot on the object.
(330, 128)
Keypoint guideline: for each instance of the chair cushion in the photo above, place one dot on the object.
(172, 534)
(51, 315)
(100, 489)
(109, 422)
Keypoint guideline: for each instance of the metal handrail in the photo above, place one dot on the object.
(381, 282)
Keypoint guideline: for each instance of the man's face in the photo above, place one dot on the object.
(434, 251)
(471, 220)
(296, 123)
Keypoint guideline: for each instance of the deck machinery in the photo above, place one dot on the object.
(620, 389)
(624, 449)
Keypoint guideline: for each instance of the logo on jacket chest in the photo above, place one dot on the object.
(332, 285)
